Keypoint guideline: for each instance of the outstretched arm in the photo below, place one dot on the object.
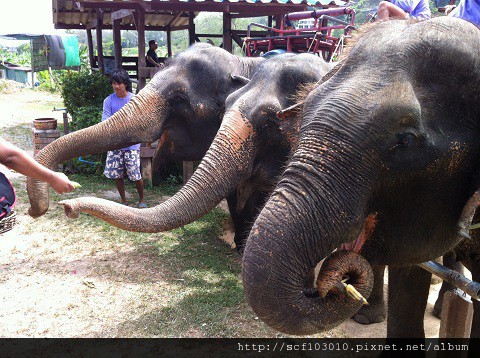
(17, 159)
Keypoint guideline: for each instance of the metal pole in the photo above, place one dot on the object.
(470, 287)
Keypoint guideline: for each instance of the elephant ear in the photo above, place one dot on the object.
(289, 122)
(239, 80)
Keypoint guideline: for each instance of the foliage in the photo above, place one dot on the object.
(83, 94)
(84, 90)
(21, 56)
(87, 116)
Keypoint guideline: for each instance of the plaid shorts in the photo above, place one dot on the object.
(119, 161)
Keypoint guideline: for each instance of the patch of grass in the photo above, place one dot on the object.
(21, 135)
(195, 289)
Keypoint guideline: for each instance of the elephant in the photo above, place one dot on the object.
(182, 105)
(242, 164)
(394, 133)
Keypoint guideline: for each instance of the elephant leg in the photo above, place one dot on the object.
(244, 218)
(450, 262)
(375, 311)
(232, 200)
(407, 300)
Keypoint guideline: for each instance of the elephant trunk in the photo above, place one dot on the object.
(305, 220)
(138, 121)
(225, 165)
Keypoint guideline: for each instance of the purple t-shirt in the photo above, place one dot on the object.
(468, 10)
(112, 104)
(419, 9)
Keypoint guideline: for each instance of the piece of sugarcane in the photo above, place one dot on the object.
(75, 184)
(352, 292)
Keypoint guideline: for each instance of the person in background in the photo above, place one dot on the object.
(152, 58)
(126, 159)
(403, 10)
(19, 160)
(468, 10)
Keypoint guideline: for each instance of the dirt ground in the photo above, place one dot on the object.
(44, 291)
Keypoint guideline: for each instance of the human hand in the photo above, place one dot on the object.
(60, 183)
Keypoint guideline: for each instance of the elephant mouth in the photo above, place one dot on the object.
(368, 227)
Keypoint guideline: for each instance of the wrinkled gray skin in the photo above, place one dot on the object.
(243, 162)
(183, 104)
(396, 131)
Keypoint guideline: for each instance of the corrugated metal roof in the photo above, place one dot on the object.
(173, 13)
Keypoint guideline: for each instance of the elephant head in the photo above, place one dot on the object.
(244, 160)
(184, 103)
(394, 132)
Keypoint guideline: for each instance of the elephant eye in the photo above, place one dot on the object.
(406, 139)
(179, 97)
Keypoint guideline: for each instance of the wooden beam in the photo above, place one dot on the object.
(237, 39)
(191, 28)
(120, 14)
(101, 65)
(122, 27)
(227, 35)
(209, 35)
(117, 44)
(170, 23)
(140, 21)
(169, 43)
(91, 55)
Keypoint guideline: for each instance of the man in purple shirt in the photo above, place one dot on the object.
(404, 9)
(128, 158)
(468, 10)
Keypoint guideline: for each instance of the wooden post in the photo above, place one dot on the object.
(146, 156)
(101, 65)
(140, 22)
(270, 21)
(227, 28)
(117, 44)
(457, 315)
(191, 28)
(169, 42)
(66, 130)
(90, 48)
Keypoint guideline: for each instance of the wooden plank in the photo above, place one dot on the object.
(147, 152)
(457, 315)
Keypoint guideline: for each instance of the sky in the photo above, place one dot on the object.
(29, 16)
